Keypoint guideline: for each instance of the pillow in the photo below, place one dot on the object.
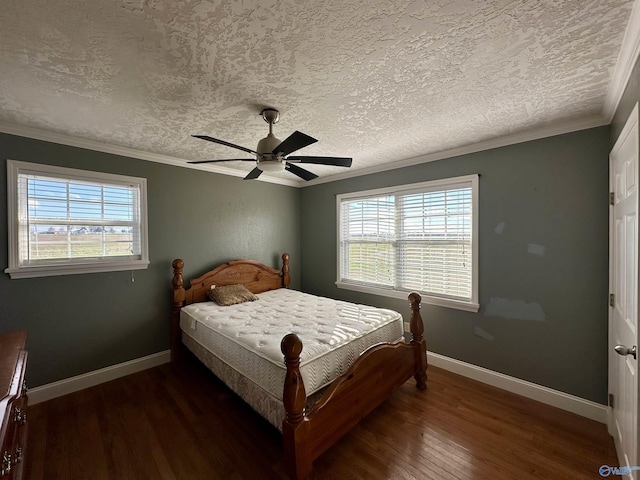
(230, 295)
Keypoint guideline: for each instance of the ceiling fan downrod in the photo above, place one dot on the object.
(271, 116)
(265, 149)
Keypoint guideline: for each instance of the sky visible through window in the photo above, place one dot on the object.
(75, 219)
(97, 206)
(437, 215)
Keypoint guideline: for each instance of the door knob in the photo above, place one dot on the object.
(622, 350)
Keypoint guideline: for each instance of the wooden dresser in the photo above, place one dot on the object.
(13, 404)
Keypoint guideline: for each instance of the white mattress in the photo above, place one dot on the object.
(247, 336)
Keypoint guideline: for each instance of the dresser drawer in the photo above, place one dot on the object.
(13, 406)
(12, 453)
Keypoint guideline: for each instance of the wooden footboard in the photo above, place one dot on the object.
(377, 373)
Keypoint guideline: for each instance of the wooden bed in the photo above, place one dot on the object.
(308, 432)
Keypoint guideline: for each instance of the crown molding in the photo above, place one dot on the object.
(72, 141)
(629, 52)
(520, 137)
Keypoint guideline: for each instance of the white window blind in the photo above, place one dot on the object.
(419, 237)
(66, 221)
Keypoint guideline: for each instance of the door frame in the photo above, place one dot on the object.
(632, 122)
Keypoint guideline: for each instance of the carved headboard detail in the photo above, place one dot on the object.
(256, 276)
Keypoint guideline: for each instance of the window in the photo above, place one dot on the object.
(65, 221)
(420, 237)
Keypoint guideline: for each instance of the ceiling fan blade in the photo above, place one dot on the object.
(255, 173)
(336, 161)
(227, 160)
(293, 142)
(222, 142)
(301, 172)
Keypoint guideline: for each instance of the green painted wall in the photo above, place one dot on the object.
(543, 318)
(80, 323)
(550, 192)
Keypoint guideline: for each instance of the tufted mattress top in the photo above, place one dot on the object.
(247, 336)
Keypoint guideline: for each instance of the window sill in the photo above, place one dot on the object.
(52, 271)
(439, 301)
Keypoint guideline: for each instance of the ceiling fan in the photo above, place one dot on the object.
(272, 155)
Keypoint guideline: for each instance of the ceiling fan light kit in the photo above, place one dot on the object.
(271, 165)
(271, 153)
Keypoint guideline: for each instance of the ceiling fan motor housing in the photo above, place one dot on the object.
(267, 160)
(267, 145)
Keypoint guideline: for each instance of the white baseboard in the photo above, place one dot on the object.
(564, 401)
(90, 379)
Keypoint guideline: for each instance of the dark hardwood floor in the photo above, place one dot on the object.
(178, 422)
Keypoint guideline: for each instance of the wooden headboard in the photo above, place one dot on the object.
(256, 276)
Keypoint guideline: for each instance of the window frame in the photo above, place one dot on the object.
(471, 305)
(81, 265)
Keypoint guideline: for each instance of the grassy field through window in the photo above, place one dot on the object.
(438, 267)
(62, 246)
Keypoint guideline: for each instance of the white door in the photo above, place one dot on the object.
(623, 314)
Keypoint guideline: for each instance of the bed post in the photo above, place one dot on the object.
(295, 427)
(285, 270)
(417, 333)
(176, 305)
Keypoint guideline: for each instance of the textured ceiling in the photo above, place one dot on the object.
(377, 80)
